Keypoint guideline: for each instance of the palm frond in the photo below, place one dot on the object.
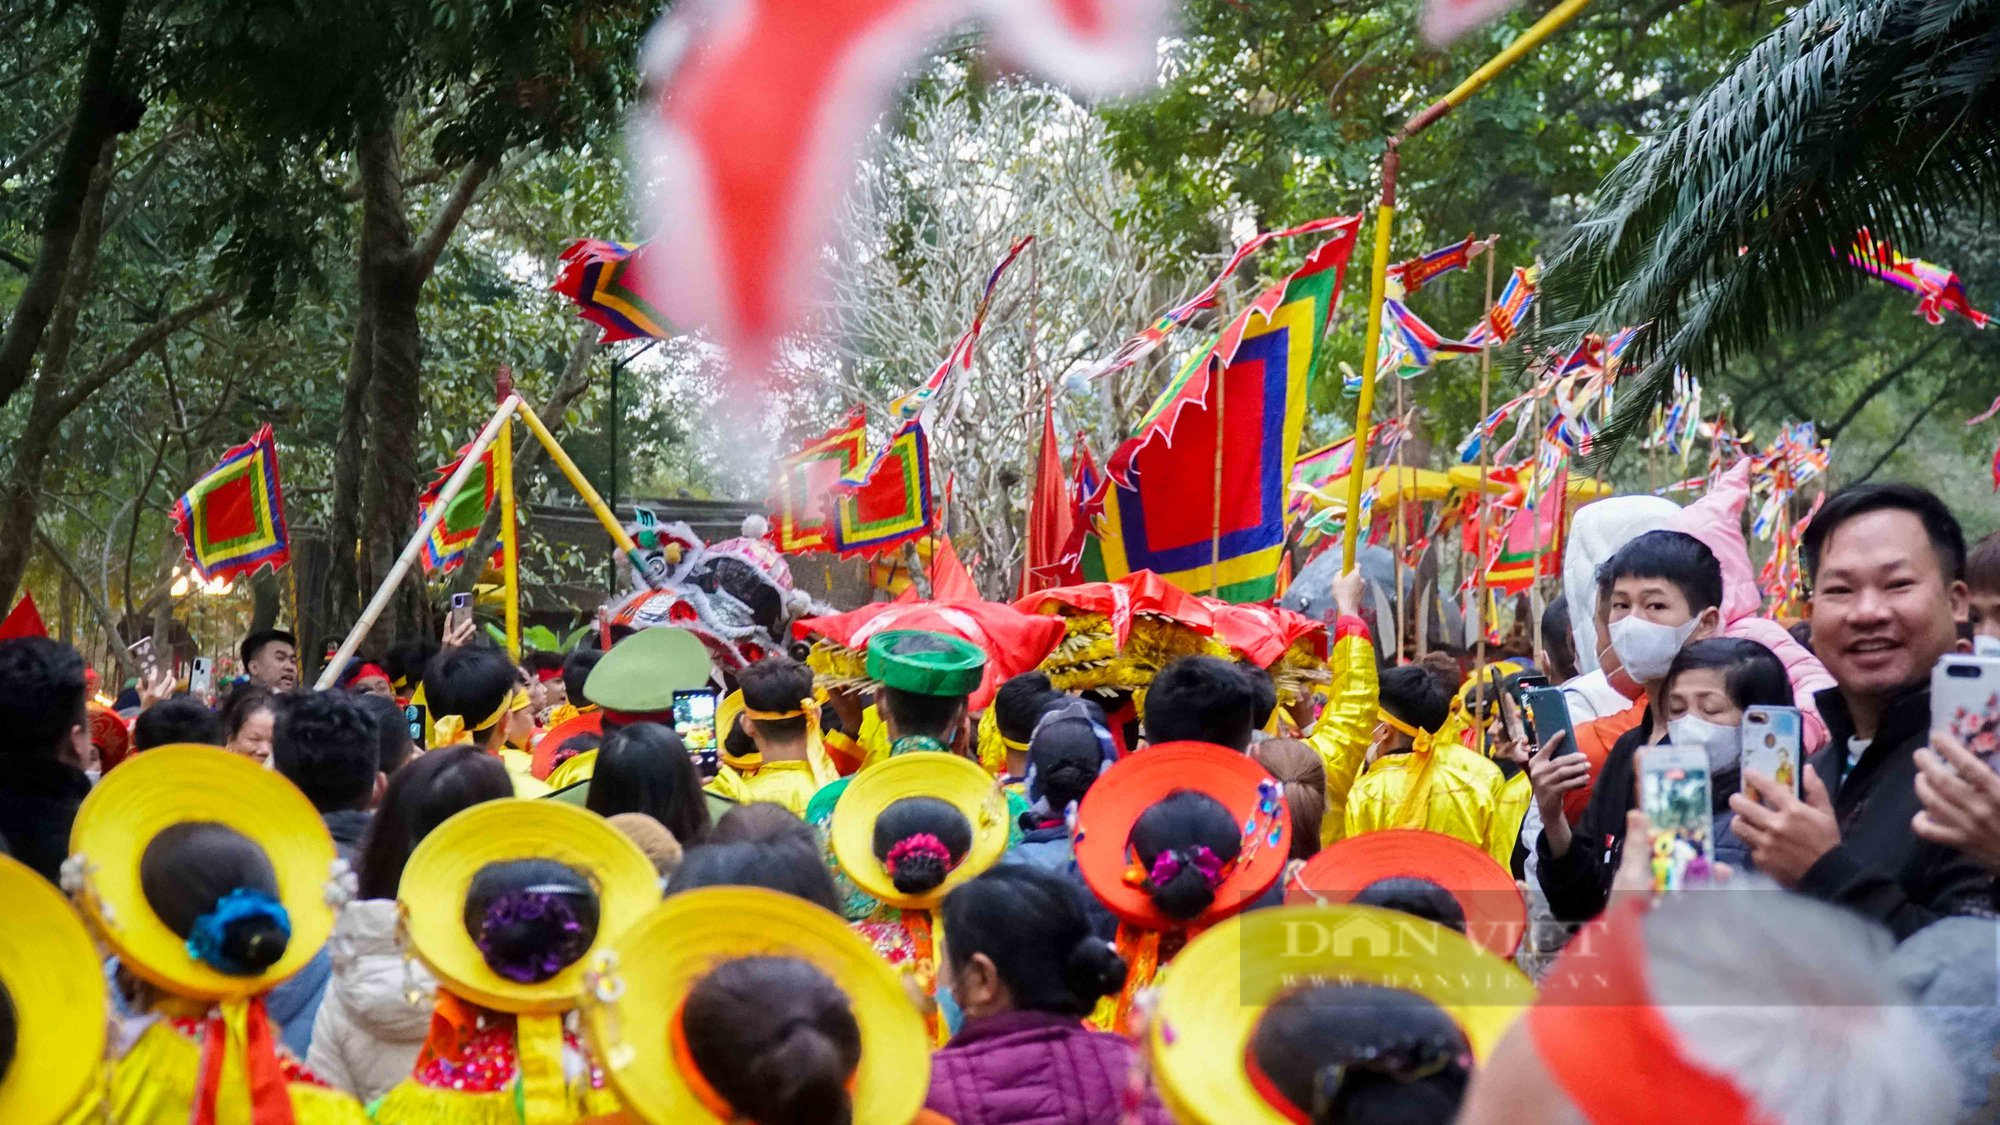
(1732, 225)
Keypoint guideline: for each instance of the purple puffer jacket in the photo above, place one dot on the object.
(1034, 1068)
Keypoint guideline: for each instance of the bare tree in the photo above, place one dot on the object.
(933, 209)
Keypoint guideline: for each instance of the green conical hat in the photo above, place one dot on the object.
(925, 663)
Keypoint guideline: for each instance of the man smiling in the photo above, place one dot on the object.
(1886, 562)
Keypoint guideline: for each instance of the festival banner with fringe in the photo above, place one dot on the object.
(600, 279)
(455, 534)
(800, 519)
(1199, 495)
(1142, 345)
(233, 518)
(891, 502)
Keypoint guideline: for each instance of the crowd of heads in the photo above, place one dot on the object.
(1804, 1031)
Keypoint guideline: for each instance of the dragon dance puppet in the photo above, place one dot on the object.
(736, 595)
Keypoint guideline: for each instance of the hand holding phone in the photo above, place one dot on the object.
(1965, 703)
(694, 721)
(201, 679)
(1545, 714)
(1772, 745)
(458, 623)
(1674, 793)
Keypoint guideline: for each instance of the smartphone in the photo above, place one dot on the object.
(1518, 688)
(148, 659)
(461, 611)
(1965, 702)
(201, 678)
(694, 721)
(1544, 714)
(1674, 792)
(413, 714)
(1772, 745)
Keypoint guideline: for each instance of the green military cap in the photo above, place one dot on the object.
(642, 672)
(925, 663)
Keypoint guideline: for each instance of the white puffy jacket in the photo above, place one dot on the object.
(367, 1034)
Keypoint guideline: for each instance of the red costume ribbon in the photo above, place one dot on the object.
(244, 1025)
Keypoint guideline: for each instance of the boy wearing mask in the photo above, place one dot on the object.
(1665, 592)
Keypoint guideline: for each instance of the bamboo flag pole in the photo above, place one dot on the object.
(1385, 221)
(588, 494)
(510, 535)
(415, 546)
(1485, 466)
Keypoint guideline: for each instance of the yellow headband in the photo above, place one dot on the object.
(451, 729)
(750, 763)
(1420, 740)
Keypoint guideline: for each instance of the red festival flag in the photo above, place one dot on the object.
(1051, 513)
(24, 621)
(1199, 495)
(760, 108)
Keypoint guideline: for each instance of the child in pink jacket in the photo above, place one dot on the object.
(1717, 520)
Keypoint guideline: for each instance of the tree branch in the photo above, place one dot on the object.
(131, 353)
(30, 154)
(1933, 404)
(424, 255)
(1868, 393)
(102, 111)
(92, 599)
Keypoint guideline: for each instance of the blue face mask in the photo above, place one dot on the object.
(949, 1011)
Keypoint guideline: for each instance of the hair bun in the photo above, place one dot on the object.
(255, 943)
(1188, 893)
(808, 1077)
(919, 874)
(1094, 968)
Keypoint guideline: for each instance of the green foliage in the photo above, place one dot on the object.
(1729, 228)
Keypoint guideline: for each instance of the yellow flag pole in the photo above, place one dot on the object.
(589, 495)
(1385, 221)
(510, 543)
(415, 547)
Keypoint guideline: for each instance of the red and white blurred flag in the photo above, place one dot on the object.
(1446, 20)
(757, 112)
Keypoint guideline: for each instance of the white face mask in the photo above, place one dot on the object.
(1983, 645)
(1724, 745)
(1645, 648)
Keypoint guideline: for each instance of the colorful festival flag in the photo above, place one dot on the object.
(1142, 345)
(600, 278)
(233, 518)
(800, 521)
(455, 534)
(960, 358)
(1418, 272)
(1938, 289)
(757, 113)
(1200, 494)
(892, 502)
(1533, 537)
(1313, 473)
(1508, 310)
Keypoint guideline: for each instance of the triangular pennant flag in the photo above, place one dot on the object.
(24, 621)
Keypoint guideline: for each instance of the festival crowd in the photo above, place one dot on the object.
(462, 890)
